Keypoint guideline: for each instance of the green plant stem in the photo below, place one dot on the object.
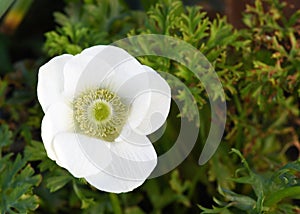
(238, 104)
(281, 194)
(115, 203)
(240, 138)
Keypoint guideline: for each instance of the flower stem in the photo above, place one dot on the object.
(115, 203)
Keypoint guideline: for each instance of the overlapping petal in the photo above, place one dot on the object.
(109, 183)
(58, 118)
(74, 69)
(81, 155)
(51, 80)
(159, 107)
(150, 104)
(133, 157)
(133, 160)
(99, 66)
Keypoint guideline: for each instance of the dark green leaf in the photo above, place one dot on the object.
(57, 182)
(17, 181)
(5, 136)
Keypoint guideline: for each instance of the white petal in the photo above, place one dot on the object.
(135, 147)
(150, 103)
(123, 68)
(50, 81)
(156, 115)
(133, 157)
(58, 118)
(75, 68)
(108, 183)
(132, 163)
(94, 50)
(99, 67)
(81, 155)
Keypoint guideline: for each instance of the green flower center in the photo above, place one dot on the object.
(99, 113)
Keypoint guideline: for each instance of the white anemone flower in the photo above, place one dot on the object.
(99, 107)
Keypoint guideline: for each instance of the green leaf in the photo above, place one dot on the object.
(221, 168)
(4, 5)
(256, 181)
(36, 152)
(164, 16)
(57, 182)
(292, 166)
(180, 187)
(16, 184)
(134, 210)
(5, 136)
(276, 197)
(288, 208)
(85, 201)
(215, 210)
(155, 194)
(194, 25)
(272, 188)
(88, 23)
(240, 201)
(176, 183)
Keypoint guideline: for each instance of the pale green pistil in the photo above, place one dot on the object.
(101, 111)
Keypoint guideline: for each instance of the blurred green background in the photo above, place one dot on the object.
(254, 46)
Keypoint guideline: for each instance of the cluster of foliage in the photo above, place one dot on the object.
(88, 23)
(259, 70)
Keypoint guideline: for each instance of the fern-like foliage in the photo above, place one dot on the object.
(258, 67)
(212, 38)
(88, 23)
(17, 179)
(272, 191)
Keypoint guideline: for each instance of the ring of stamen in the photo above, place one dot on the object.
(99, 113)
